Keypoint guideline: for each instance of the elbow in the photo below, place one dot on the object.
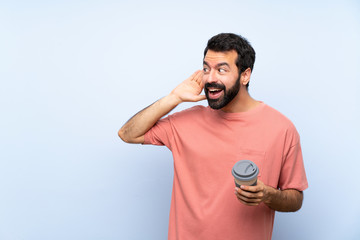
(121, 135)
(297, 207)
(129, 139)
(299, 201)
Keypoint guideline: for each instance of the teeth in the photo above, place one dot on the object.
(214, 90)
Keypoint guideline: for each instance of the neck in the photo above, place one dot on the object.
(243, 102)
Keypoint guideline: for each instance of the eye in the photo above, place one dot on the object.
(205, 69)
(221, 70)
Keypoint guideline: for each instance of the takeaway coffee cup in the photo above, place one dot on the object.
(245, 172)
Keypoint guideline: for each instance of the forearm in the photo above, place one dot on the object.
(188, 91)
(289, 200)
(134, 130)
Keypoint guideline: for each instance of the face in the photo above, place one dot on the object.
(221, 78)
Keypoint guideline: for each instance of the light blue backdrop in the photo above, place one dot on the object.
(72, 72)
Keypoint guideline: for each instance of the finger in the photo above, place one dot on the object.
(195, 76)
(253, 189)
(245, 189)
(249, 195)
(192, 77)
(250, 202)
(247, 200)
(200, 80)
(202, 83)
(199, 76)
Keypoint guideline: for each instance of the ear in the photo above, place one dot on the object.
(245, 77)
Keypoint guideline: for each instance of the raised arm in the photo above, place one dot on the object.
(189, 90)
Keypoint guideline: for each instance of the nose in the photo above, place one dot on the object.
(210, 77)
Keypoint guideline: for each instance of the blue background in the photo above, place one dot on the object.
(72, 72)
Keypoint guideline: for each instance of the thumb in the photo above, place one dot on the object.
(200, 98)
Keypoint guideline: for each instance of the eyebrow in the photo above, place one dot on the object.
(218, 65)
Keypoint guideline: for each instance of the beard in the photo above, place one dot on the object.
(228, 96)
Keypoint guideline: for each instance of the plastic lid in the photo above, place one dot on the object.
(245, 170)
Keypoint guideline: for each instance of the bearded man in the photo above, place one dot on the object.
(207, 141)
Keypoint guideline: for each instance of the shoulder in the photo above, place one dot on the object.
(276, 117)
(190, 112)
(187, 116)
(279, 121)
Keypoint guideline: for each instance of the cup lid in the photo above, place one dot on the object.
(245, 170)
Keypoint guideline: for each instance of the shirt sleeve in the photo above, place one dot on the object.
(292, 174)
(160, 133)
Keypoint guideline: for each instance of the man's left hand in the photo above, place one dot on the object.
(251, 195)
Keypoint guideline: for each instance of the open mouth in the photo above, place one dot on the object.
(214, 93)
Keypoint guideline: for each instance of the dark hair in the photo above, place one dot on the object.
(224, 42)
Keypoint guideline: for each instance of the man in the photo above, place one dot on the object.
(207, 141)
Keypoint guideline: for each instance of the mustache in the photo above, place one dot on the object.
(214, 85)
